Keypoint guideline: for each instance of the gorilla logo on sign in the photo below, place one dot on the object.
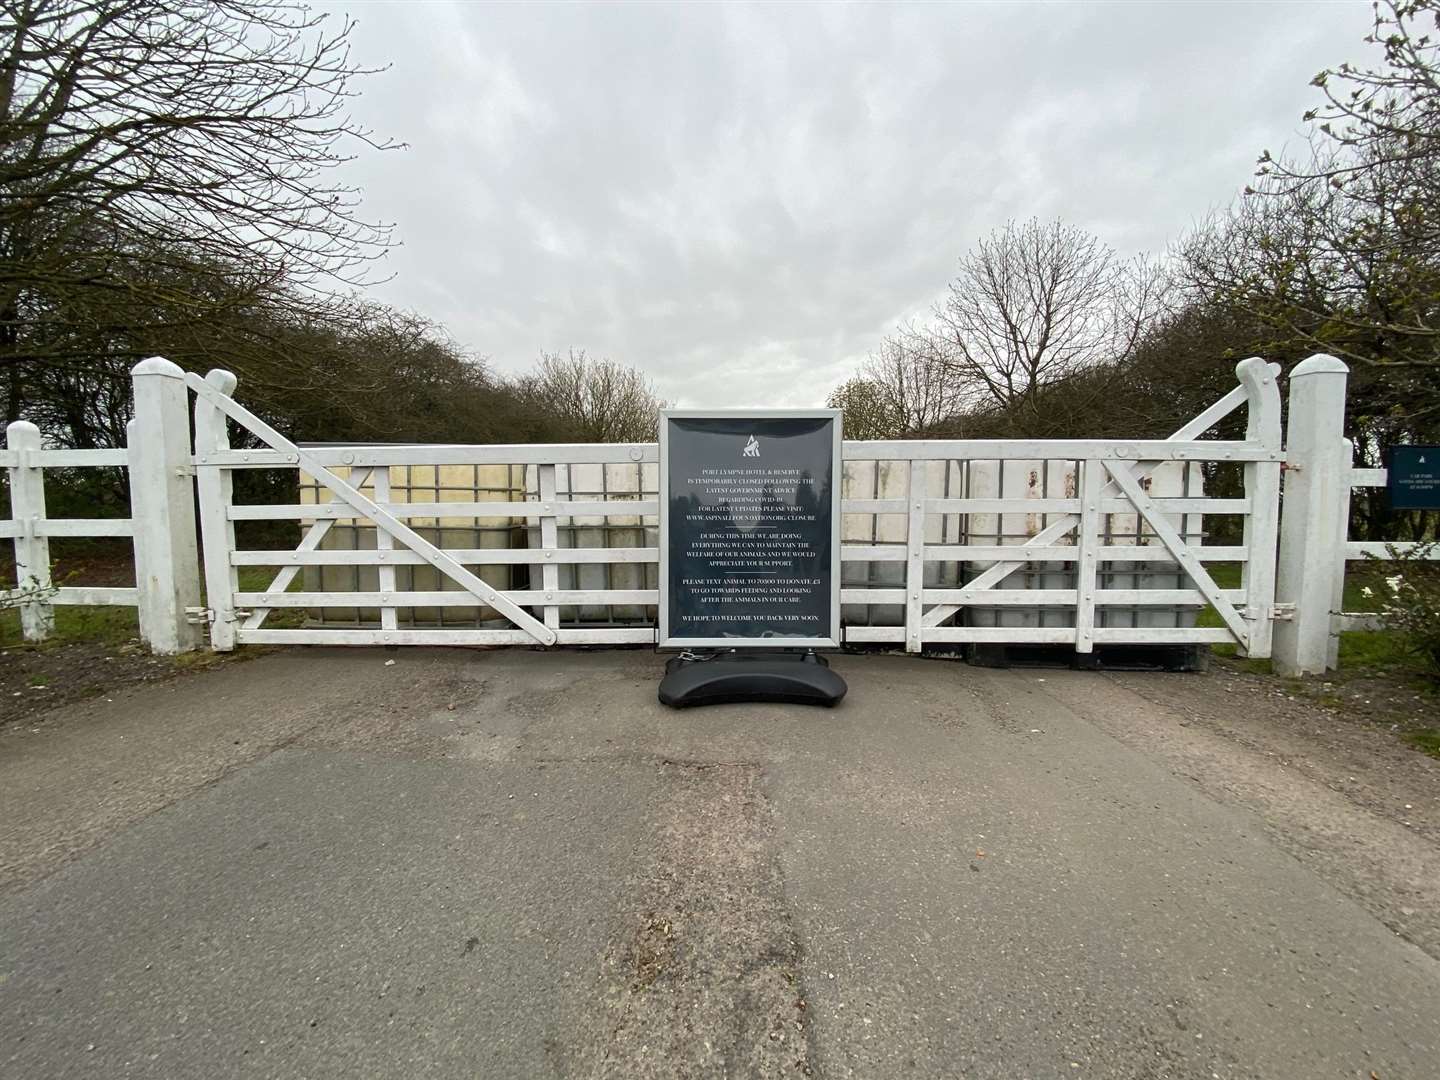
(752, 448)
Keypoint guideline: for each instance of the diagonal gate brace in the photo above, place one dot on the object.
(309, 542)
(442, 561)
(1180, 551)
(1200, 424)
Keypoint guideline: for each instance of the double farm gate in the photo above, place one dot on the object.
(1106, 479)
(1103, 542)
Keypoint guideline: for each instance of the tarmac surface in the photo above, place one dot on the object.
(518, 864)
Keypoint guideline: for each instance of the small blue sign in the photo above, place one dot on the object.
(1414, 482)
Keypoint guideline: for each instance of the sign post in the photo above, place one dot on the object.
(750, 554)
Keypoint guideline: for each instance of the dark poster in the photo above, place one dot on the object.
(1414, 477)
(750, 542)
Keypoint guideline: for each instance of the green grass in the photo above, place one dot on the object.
(107, 625)
(1371, 649)
(118, 625)
(1426, 739)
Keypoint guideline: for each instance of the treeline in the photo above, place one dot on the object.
(1044, 332)
(352, 370)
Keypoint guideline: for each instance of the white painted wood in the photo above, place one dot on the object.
(1343, 621)
(631, 635)
(1091, 481)
(549, 541)
(465, 556)
(78, 595)
(1072, 506)
(385, 542)
(32, 549)
(439, 454)
(1175, 449)
(915, 555)
(312, 539)
(91, 526)
(1163, 635)
(1337, 584)
(1380, 549)
(96, 596)
(1001, 635)
(162, 504)
(58, 458)
(1312, 530)
(1262, 491)
(1180, 552)
(417, 544)
(1144, 450)
(562, 510)
(1070, 597)
(445, 598)
(1044, 635)
(213, 486)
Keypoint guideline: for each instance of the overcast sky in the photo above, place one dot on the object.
(742, 200)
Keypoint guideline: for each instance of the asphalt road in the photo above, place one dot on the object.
(518, 864)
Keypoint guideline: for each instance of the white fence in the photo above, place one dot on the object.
(1109, 526)
(31, 529)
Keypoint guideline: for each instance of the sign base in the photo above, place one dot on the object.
(739, 676)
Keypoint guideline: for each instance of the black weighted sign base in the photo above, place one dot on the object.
(738, 676)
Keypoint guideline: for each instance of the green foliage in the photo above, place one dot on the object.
(1426, 739)
(868, 412)
(108, 625)
(1408, 599)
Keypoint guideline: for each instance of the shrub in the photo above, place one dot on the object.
(1408, 592)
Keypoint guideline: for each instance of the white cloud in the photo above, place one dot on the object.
(741, 200)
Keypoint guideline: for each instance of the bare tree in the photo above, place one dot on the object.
(138, 136)
(1339, 248)
(1032, 304)
(917, 391)
(594, 400)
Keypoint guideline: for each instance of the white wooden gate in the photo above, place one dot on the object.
(1112, 478)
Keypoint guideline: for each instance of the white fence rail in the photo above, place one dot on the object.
(1106, 541)
(161, 525)
(31, 529)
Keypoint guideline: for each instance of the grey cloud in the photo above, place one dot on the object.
(742, 200)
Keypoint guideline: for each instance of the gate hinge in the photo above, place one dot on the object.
(204, 616)
(1291, 466)
(184, 472)
(1283, 612)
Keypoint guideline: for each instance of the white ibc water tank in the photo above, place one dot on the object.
(624, 481)
(411, 484)
(1059, 479)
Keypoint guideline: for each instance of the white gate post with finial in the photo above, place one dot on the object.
(162, 506)
(1314, 523)
(32, 547)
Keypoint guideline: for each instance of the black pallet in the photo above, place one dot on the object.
(1107, 657)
